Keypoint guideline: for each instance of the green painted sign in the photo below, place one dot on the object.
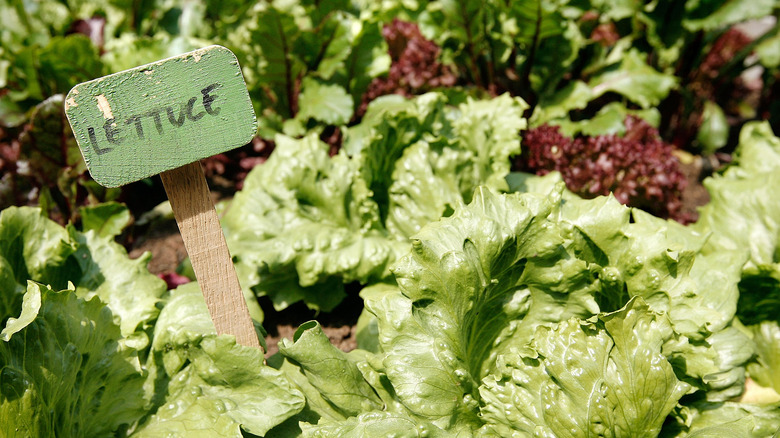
(143, 121)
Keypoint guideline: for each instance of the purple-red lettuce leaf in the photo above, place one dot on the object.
(415, 67)
(637, 167)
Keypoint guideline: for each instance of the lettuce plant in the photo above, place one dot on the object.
(307, 223)
(312, 67)
(638, 168)
(527, 314)
(86, 351)
(543, 313)
(68, 365)
(415, 66)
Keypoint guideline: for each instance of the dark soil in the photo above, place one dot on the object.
(695, 195)
(164, 242)
(338, 324)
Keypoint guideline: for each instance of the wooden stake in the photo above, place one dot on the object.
(199, 225)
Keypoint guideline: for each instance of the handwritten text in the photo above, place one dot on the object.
(114, 131)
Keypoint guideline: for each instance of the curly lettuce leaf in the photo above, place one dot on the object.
(338, 380)
(463, 147)
(479, 283)
(304, 224)
(317, 409)
(184, 321)
(35, 248)
(124, 284)
(716, 365)
(766, 368)
(665, 263)
(225, 388)
(31, 305)
(107, 219)
(375, 424)
(662, 262)
(604, 377)
(715, 420)
(64, 371)
(429, 379)
(380, 144)
(505, 253)
(741, 214)
(450, 150)
(346, 394)
(487, 131)
(327, 103)
(71, 363)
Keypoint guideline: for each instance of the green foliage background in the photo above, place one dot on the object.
(496, 303)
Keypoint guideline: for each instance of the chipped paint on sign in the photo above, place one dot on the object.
(104, 107)
(71, 102)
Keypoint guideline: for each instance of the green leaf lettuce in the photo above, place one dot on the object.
(306, 223)
(64, 371)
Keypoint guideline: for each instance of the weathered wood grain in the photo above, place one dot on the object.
(199, 225)
(143, 121)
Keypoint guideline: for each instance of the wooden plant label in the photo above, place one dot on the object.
(163, 118)
(140, 122)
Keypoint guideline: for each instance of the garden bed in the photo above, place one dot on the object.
(457, 218)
